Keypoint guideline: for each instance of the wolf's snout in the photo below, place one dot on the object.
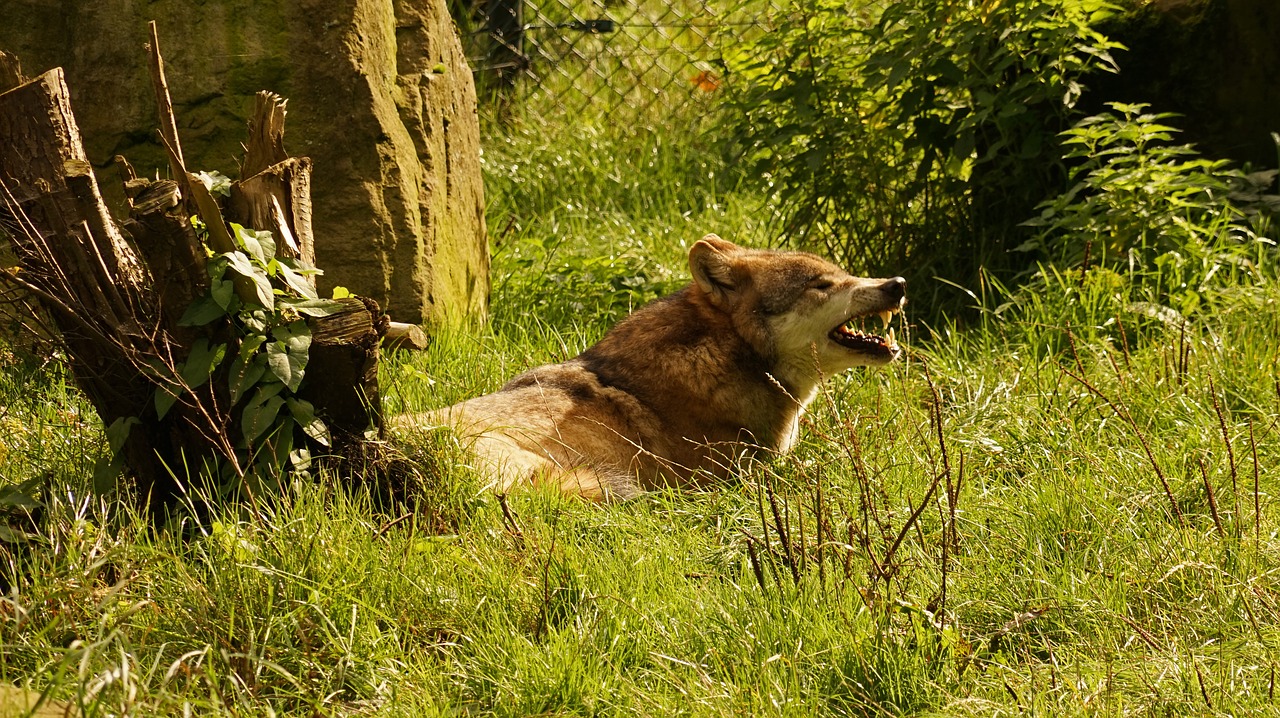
(896, 288)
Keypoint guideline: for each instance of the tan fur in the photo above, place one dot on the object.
(680, 391)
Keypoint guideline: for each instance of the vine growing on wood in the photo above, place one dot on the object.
(257, 358)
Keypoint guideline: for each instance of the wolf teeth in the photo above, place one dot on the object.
(885, 317)
(889, 340)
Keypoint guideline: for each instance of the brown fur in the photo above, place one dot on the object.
(681, 390)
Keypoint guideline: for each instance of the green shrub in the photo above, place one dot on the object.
(916, 138)
(1183, 227)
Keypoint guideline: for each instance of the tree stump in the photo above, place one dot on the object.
(173, 391)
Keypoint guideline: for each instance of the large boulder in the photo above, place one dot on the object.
(380, 97)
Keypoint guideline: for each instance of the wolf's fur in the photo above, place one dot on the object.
(682, 389)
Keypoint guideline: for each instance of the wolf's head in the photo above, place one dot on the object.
(798, 310)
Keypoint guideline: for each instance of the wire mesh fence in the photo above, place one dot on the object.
(605, 56)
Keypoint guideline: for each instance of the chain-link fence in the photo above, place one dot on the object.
(604, 55)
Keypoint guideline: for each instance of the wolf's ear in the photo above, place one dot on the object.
(711, 262)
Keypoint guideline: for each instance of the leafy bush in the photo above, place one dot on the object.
(915, 138)
(1183, 227)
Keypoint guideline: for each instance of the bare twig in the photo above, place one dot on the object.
(911, 521)
(1257, 502)
(1200, 679)
(391, 524)
(164, 105)
(509, 517)
(783, 535)
(755, 561)
(1231, 454)
(817, 518)
(1142, 633)
(1124, 343)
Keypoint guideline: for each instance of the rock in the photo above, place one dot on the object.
(380, 97)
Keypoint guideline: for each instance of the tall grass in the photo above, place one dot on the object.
(1084, 532)
(1068, 509)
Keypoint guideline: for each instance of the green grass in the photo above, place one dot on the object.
(322, 601)
(1048, 572)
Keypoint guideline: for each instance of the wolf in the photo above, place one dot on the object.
(684, 389)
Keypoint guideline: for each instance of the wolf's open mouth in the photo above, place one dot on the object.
(851, 335)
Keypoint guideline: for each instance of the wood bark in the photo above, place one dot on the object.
(79, 266)
(275, 189)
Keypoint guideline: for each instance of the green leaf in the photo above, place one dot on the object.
(287, 356)
(255, 320)
(260, 413)
(248, 367)
(106, 473)
(215, 182)
(223, 293)
(282, 442)
(202, 311)
(164, 400)
(305, 414)
(216, 268)
(240, 263)
(260, 245)
(118, 432)
(201, 362)
(295, 335)
(312, 307)
(300, 459)
(296, 281)
(341, 292)
(247, 240)
(19, 496)
(268, 242)
(192, 373)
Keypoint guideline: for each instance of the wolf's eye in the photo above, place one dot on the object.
(821, 284)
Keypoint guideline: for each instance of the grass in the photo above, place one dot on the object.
(1023, 518)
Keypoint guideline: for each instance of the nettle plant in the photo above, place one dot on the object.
(257, 344)
(1181, 226)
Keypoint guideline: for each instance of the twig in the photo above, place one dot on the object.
(1231, 454)
(1124, 343)
(1142, 633)
(804, 545)
(783, 535)
(1071, 341)
(1184, 352)
(391, 524)
(911, 520)
(164, 105)
(509, 518)
(755, 561)
(817, 517)
(1257, 503)
(1200, 679)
